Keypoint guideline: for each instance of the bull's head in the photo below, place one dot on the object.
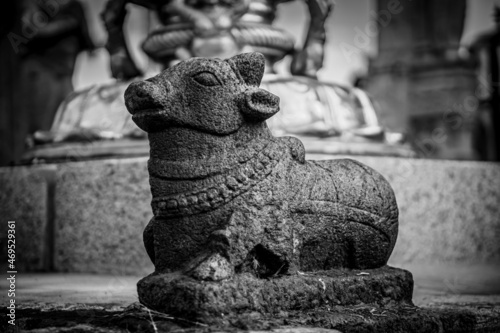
(208, 95)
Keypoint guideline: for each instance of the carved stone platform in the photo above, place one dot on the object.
(182, 296)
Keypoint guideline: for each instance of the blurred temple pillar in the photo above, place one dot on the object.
(423, 86)
(11, 140)
(485, 50)
(38, 51)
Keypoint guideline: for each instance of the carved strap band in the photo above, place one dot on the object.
(223, 187)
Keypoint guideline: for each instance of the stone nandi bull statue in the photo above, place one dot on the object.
(231, 200)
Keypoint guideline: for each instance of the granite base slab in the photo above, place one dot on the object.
(183, 296)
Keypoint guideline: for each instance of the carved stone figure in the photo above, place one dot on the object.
(216, 28)
(330, 118)
(38, 56)
(231, 199)
(49, 58)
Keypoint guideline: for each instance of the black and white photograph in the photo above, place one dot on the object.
(279, 166)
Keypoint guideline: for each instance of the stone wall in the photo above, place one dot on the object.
(89, 216)
(100, 210)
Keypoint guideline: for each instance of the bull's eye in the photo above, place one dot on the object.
(206, 79)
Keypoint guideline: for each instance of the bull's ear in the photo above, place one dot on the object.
(260, 104)
(249, 66)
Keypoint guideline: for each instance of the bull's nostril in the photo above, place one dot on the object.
(141, 94)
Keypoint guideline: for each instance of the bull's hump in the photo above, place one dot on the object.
(345, 183)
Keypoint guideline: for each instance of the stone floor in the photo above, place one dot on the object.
(108, 303)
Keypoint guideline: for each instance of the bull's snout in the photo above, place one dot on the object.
(141, 96)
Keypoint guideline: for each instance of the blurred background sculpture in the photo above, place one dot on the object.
(432, 86)
(49, 58)
(38, 59)
(330, 117)
(425, 84)
(216, 28)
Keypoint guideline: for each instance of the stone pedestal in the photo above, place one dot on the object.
(186, 297)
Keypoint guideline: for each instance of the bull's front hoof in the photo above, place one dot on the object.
(213, 267)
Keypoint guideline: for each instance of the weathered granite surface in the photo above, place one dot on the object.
(449, 213)
(229, 197)
(441, 318)
(100, 218)
(449, 210)
(95, 303)
(178, 296)
(465, 229)
(91, 204)
(23, 199)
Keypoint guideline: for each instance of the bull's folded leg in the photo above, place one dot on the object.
(347, 240)
(367, 246)
(213, 264)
